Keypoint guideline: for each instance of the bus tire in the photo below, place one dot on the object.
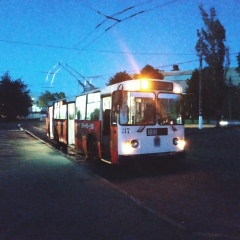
(56, 140)
(92, 149)
(64, 148)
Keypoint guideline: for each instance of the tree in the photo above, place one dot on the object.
(231, 107)
(47, 97)
(192, 96)
(149, 72)
(119, 77)
(211, 47)
(14, 98)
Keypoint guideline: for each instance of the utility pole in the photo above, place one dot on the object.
(200, 84)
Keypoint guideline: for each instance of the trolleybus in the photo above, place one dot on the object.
(131, 119)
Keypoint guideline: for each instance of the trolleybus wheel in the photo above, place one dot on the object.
(92, 149)
(64, 148)
(56, 140)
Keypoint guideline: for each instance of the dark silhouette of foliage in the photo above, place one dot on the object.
(192, 96)
(149, 72)
(14, 98)
(211, 47)
(232, 103)
(48, 97)
(119, 77)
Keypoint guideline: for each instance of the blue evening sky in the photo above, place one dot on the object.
(37, 35)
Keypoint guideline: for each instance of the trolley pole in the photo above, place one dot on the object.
(200, 85)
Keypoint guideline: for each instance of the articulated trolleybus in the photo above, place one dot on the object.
(131, 119)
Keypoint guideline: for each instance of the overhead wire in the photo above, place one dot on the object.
(112, 17)
(118, 13)
(94, 50)
(69, 71)
(138, 13)
(89, 34)
(103, 51)
(124, 19)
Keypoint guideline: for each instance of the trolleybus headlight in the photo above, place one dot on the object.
(134, 143)
(181, 143)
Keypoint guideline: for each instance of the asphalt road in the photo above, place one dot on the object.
(45, 195)
(200, 193)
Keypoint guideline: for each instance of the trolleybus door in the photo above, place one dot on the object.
(50, 116)
(105, 128)
(71, 114)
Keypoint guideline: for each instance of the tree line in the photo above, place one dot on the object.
(16, 101)
(220, 98)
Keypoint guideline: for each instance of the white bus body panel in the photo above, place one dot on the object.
(149, 144)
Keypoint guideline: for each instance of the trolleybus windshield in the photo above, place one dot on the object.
(137, 108)
(143, 108)
(169, 109)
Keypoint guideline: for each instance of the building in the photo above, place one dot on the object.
(235, 77)
(181, 77)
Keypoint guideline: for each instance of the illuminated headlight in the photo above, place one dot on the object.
(134, 143)
(180, 142)
(129, 147)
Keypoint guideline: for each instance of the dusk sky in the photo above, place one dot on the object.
(37, 35)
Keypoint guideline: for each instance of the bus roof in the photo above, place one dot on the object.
(137, 85)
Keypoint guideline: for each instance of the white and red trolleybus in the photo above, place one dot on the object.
(134, 118)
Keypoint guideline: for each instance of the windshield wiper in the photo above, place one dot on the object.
(173, 127)
(143, 126)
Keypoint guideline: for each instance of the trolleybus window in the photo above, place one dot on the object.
(169, 109)
(93, 106)
(81, 107)
(137, 108)
(60, 110)
(106, 101)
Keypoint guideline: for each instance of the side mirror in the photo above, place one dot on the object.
(117, 97)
